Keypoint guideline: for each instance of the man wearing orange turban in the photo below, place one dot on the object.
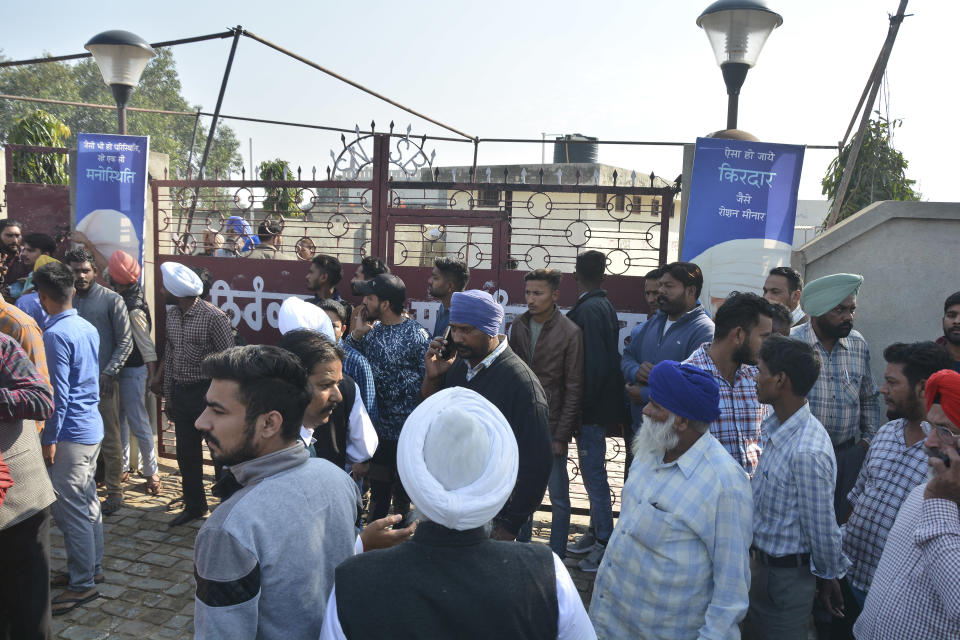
(139, 370)
(123, 268)
(914, 591)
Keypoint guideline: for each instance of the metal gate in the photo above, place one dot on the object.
(383, 196)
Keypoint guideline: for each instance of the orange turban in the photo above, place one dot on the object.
(943, 388)
(123, 268)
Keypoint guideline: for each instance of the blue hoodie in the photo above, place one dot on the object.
(648, 345)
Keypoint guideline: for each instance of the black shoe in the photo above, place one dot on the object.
(187, 516)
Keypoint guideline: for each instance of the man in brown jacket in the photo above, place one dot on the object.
(552, 346)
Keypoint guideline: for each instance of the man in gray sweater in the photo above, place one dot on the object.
(106, 311)
(264, 560)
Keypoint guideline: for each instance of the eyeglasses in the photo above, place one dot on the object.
(943, 433)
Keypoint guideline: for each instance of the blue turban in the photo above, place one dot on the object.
(685, 390)
(478, 309)
(242, 228)
(823, 294)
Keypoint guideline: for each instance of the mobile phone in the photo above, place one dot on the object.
(945, 458)
(447, 349)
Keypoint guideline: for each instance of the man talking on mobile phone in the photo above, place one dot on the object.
(484, 362)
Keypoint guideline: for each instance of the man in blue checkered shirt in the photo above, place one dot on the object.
(895, 463)
(677, 564)
(796, 540)
(844, 398)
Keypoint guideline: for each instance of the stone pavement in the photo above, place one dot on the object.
(148, 566)
(149, 586)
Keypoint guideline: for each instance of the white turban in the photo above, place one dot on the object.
(181, 281)
(458, 459)
(110, 230)
(296, 313)
(738, 265)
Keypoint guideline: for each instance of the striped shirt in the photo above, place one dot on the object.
(793, 494)
(22, 328)
(677, 564)
(889, 472)
(738, 427)
(192, 335)
(356, 366)
(24, 395)
(914, 592)
(844, 398)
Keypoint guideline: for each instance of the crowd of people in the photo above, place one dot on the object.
(764, 489)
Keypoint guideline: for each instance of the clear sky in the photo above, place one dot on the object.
(625, 70)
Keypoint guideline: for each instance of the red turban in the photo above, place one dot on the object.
(943, 388)
(123, 268)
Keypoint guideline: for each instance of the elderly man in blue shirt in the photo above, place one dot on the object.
(677, 564)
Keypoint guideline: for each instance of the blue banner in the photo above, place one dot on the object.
(111, 191)
(741, 214)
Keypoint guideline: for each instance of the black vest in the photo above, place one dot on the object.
(137, 301)
(449, 584)
(331, 438)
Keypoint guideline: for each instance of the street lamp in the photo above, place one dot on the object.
(737, 30)
(121, 56)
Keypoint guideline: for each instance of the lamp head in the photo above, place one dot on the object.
(121, 56)
(738, 29)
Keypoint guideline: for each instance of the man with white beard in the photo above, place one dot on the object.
(677, 564)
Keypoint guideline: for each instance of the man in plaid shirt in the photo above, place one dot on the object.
(844, 399)
(914, 591)
(743, 322)
(796, 540)
(895, 463)
(195, 329)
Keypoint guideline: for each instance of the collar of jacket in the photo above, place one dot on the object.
(435, 535)
(252, 471)
(689, 316)
(526, 318)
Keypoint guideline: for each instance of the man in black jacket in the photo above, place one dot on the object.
(458, 458)
(482, 360)
(602, 401)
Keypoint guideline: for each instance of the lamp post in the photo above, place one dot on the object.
(737, 30)
(121, 57)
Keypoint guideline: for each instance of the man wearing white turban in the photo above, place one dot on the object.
(458, 459)
(195, 329)
(297, 313)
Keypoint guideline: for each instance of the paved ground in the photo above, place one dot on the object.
(148, 592)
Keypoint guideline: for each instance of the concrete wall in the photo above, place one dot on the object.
(907, 253)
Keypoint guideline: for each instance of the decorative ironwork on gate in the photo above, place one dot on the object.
(391, 201)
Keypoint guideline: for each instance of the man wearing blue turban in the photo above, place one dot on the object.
(478, 357)
(677, 564)
(844, 398)
(240, 236)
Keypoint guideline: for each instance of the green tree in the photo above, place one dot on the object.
(279, 199)
(40, 129)
(880, 173)
(159, 88)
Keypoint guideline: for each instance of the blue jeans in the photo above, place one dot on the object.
(132, 382)
(559, 487)
(77, 510)
(592, 453)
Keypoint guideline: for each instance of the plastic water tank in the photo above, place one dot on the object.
(584, 150)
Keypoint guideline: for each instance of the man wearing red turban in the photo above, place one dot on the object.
(914, 591)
